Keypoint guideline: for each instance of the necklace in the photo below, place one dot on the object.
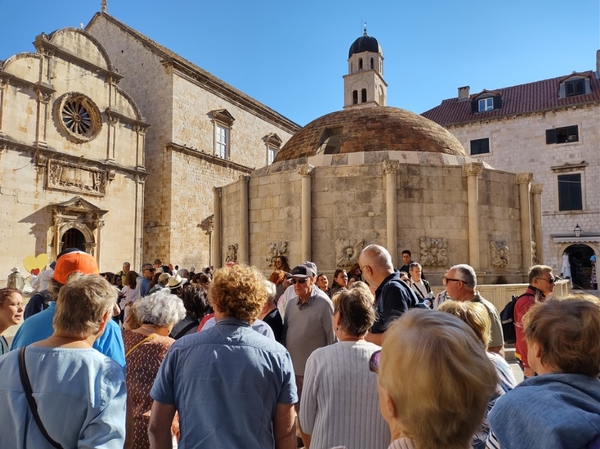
(148, 330)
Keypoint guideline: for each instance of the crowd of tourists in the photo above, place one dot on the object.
(230, 359)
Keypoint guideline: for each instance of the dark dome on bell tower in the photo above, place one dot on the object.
(364, 43)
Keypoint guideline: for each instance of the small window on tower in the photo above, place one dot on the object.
(372, 66)
(355, 97)
(360, 65)
(363, 95)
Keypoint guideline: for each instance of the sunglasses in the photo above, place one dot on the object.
(374, 361)
(298, 281)
(549, 281)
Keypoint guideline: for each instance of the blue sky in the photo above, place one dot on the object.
(292, 55)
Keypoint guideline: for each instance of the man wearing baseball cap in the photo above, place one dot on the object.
(39, 327)
(307, 323)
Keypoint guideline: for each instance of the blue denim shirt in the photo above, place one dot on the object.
(226, 383)
(548, 411)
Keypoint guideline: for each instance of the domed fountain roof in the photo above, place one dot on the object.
(376, 128)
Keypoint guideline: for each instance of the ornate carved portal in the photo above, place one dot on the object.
(76, 214)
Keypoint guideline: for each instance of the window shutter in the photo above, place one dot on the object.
(474, 107)
(497, 102)
(550, 136)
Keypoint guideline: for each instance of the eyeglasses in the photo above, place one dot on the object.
(455, 280)
(299, 281)
(549, 281)
(150, 269)
(374, 361)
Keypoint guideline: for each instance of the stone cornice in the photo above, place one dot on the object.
(42, 43)
(569, 167)
(41, 154)
(111, 113)
(41, 87)
(209, 157)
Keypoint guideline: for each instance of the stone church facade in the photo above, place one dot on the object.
(204, 134)
(71, 153)
(113, 143)
(552, 129)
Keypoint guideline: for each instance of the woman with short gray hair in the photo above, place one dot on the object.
(340, 405)
(145, 349)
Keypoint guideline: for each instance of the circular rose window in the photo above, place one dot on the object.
(79, 117)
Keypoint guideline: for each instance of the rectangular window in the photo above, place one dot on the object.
(480, 146)
(222, 139)
(271, 153)
(575, 87)
(486, 104)
(562, 135)
(569, 192)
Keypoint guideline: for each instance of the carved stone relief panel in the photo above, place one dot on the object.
(434, 252)
(232, 253)
(534, 257)
(275, 249)
(499, 254)
(347, 251)
(76, 178)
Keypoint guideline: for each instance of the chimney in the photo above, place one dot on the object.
(463, 93)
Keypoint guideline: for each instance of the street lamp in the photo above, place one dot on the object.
(577, 231)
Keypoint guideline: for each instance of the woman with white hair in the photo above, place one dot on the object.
(145, 349)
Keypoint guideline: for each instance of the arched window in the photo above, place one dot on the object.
(360, 66)
(355, 97)
(363, 94)
(372, 66)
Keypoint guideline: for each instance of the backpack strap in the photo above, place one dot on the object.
(185, 330)
(31, 400)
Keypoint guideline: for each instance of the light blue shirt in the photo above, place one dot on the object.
(80, 394)
(259, 326)
(226, 383)
(39, 327)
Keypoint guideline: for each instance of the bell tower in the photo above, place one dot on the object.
(364, 85)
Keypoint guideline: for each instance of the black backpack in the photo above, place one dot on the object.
(507, 316)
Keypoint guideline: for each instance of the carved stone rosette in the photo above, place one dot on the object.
(78, 178)
(274, 250)
(434, 252)
(347, 251)
(499, 254)
(232, 253)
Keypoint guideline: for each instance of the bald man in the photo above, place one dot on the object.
(393, 296)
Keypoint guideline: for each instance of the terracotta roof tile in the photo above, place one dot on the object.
(516, 100)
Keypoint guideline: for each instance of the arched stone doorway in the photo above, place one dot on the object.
(581, 265)
(73, 238)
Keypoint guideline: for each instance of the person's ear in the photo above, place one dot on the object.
(104, 321)
(387, 403)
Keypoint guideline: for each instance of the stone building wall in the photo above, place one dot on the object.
(519, 144)
(349, 212)
(177, 99)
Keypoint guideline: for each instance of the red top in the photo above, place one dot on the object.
(524, 303)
